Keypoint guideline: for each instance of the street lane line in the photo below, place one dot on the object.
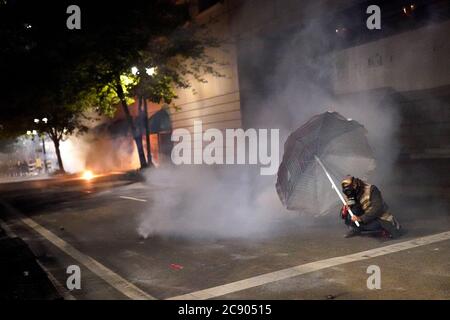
(58, 286)
(62, 290)
(113, 279)
(310, 267)
(131, 198)
(7, 229)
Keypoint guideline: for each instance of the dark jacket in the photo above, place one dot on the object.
(373, 207)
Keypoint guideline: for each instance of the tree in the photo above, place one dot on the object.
(155, 35)
(61, 74)
(39, 57)
(63, 105)
(62, 121)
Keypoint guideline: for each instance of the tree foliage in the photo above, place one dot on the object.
(61, 74)
(155, 35)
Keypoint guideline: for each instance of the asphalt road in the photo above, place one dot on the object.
(93, 224)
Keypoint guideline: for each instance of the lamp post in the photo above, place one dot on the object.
(31, 134)
(45, 120)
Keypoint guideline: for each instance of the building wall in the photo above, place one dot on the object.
(413, 65)
(252, 17)
(414, 60)
(217, 102)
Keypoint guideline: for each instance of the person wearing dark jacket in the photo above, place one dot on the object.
(369, 209)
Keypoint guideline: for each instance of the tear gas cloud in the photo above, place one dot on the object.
(202, 201)
(236, 201)
(99, 153)
(287, 81)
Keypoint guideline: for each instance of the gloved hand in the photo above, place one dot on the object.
(344, 212)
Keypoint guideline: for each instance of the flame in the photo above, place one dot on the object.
(87, 175)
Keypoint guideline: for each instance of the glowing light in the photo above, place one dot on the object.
(45, 120)
(408, 10)
(87, 175)
(36, 120)
(150, 71)
(134, 70)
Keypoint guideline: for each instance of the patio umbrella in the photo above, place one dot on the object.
(322, 151)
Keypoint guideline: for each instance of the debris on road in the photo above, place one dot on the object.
(175, 266)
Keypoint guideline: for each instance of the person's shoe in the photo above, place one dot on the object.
(352, 233)
(386, 235)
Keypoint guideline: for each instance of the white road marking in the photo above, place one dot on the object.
(131, 198)
(310, 267)
(109, 276)
(59, 287)
(63, 291)
(113, 279)
(7, 229)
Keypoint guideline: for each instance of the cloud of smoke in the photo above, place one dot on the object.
(234, 201)
(100, 153)
(301, 85)
(73, 153)
(202, 201)
(285, 79)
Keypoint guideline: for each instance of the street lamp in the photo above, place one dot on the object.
(134, 70)
(34, 133)
(151, 71)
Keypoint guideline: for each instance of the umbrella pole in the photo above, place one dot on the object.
(333, 185)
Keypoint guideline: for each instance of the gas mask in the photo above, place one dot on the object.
(350, 193)
(349, 189)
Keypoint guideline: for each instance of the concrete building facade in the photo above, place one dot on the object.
(405, 63)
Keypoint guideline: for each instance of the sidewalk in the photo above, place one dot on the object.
(4, 179)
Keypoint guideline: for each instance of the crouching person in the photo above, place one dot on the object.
(369, 210)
